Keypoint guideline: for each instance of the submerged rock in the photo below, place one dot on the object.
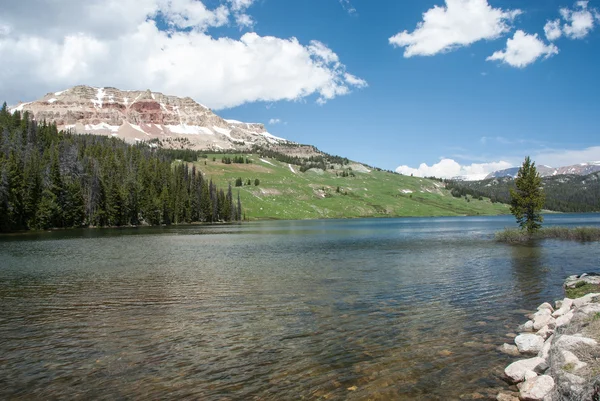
(509, 349)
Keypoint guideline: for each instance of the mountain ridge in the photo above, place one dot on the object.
(145, 115)
(547, 171)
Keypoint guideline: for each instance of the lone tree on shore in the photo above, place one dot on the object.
(528, 199)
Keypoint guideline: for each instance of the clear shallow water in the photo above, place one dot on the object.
(390, 308)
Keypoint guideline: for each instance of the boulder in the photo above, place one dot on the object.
(543, 320)
(530, 374)
(545, 332)
(571, 362)
(529, 343)
(535, 389)
(515, 372)
(589, 278)
(565, 306)
(547, 306)
(584, 300)
(564, 319)
(567, 342)
(509, 349)
(546, 348)
(526, 327)
(589, 309)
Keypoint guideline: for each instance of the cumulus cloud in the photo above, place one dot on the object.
(239, 8)
(553, 30)
(523, 49)
(118, 43)
(561, 157)
(274, 121)
(460, 23)
(579, 22)
(449, 168)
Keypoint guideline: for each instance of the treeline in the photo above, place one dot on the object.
(564, 193)
(52, 179)
(304, 163)
(235, 160)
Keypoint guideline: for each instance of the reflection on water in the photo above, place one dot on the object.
(359, 309)
(528, 269)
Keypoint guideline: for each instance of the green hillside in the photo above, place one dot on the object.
(286, 193)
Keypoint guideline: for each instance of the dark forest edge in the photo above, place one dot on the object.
(55, 179)
(564, 193)
(516, 236)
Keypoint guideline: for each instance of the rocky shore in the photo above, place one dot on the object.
(559, 348)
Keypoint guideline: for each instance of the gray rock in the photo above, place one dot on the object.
(515, 372)
(509, 349)
(572, 281)
(530, 374)
(565, 306)
(589, 309)
(543, 318)
(564, 319)
(529, 343)
(541, 368)
(586, 299)
(546, 348)
(526, 327)
(545, 332)
(546, 305)
(507, 397)
(537, 388)
(567, 342)
(571, 359)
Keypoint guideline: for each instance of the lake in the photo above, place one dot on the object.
(387, 309)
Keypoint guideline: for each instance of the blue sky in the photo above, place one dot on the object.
(389, 83)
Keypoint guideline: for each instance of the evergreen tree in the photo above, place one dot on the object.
(528, 198)
(52, 179)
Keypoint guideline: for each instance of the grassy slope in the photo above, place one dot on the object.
(283, 194)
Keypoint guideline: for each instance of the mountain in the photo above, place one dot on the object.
(547, 171)
(564, 193)
(274, 177)
(146, 116)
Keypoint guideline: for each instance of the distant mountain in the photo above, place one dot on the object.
(564, 193)
(145, 116)
(547, 171)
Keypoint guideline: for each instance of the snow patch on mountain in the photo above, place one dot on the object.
(99, 96)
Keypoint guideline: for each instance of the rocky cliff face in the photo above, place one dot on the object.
(145, 115)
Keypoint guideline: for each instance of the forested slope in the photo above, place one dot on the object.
(52, 179)
(564, 193)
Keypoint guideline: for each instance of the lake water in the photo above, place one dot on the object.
(407, 308)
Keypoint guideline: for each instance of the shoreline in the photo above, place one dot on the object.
(558, 349)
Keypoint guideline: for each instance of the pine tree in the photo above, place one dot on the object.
(528, 199)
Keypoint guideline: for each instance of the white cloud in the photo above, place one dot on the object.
(348, 6)
(523, 49)
(239, 7)
(117, 43)
(579, 22)
(274, 121)
(449, 168)
(553, 30)
(355, 81)
(460, 23)
(561, 157)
